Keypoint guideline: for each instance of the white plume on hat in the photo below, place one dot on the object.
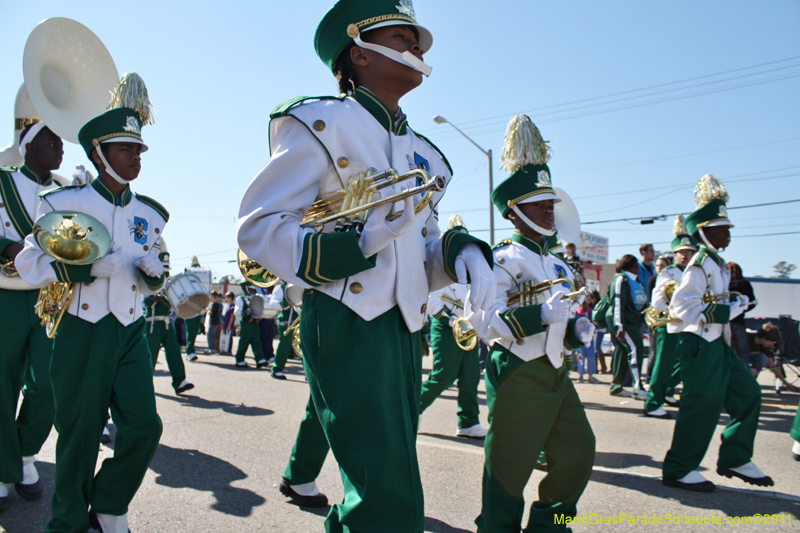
(523, 145)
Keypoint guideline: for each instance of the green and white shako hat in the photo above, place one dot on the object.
(129, 110)
(525, 155)
(710, 198)
(348, 18)
(457, 223)
(682, 240)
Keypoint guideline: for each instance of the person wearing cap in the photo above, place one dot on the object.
(26, 350)
(192, 324)
(249, 334)
(666, 373)
(361, 321)
(100, 356)
(533, 405)
(160, 331)
(450, 361)
(714, 377)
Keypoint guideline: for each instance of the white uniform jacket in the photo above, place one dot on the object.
(19, 194)
(315, 148)
(438, 308)
(520, 329)
(134, 226)
(706, 273)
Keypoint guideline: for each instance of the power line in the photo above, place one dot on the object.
(735, 237)
(673, 214)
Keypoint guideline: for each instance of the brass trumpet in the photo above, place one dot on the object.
(464, 334)
(74, 239)
(710, 297)
(655, 318)
(529, 292)
(7, 267)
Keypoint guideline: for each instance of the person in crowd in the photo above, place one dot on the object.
(228, 325)
(762, 347)
(586, 363)
(646, 267)
(739, 341)
(627, 300)
(214, 319)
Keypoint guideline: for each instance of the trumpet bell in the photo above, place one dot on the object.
(294, 295)
(567, 219)
(253, 272)
(464, 334)
(68, 73)
(72, 238)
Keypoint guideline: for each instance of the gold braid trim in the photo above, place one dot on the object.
(104, 138)
(512, 203)
(375, 20)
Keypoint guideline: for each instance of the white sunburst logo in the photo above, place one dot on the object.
(406, 8)
(544, 179)
(132, 126)
(723, 211)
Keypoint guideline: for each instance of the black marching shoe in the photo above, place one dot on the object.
(748, 473)
(319, 500)
(30, 492)
(278, 375)
(95, 523)
(183, 387)
(704, 486)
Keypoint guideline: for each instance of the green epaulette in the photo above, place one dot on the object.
(61, 188)
(283, 109)
(501, 243)
(699, 258)
(446, 162)
(9, 169)
(146, 200)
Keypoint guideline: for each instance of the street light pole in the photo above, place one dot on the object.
(441, 120)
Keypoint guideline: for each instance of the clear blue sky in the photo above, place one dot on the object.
(214, 74)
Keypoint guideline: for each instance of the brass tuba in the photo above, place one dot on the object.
(71, 238)
(255, 273)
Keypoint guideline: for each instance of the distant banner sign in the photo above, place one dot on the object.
(593, 248)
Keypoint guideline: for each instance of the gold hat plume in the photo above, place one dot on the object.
(523, 145)
(455, 221)
(678, 227)
(131, 92)
(709, 188)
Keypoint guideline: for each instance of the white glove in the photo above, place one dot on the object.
(378, 232)
(739, 306)
(483, 284)
(151, 265)
(555, 310)
(109, 265)
(584, 330)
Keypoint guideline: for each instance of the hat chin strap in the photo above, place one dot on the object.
(705, 241)
(110, 171)
(534, 227)
(406, 58)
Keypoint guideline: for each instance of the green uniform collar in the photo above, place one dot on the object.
(529, 243)
(714, 257)
(381, 113)
(109, 195)
(34, 177)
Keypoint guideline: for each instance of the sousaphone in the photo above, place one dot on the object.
(567, 219)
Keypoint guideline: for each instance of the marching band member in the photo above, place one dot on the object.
(533, 405)
(714, 377)
(450, 362)
(666, 371)
(25, 351)
(160, 331)
(366, 294)
(285, 319)
(192, 325)
(100, 353)
(249, 334)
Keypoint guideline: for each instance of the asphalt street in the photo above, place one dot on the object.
(226, 443)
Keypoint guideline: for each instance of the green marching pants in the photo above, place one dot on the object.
(623, 358)
(795, 431)
(97, 366)
(283, 351)
(714, 378)
(249, 335)
(161, 334)
(364, 379)
(666, 370)
(25, 353)
(192, 327)
(532, 407)
(450, 363)
(309, 451)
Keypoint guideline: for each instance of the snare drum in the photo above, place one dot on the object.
(187, 295)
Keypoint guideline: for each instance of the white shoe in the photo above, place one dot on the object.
(475, 432)
(658, 413)
(29, 473)
(4, 490)
(796, 450)
(189, 357)
(640, 394)
(271, 360)
(113, 524)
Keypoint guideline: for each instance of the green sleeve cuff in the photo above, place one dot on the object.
(452, 243)
(4, 243)
(329, 257)
(717, 313)
(72, 273)
(524, 321)
(153, 284)
(571, 341)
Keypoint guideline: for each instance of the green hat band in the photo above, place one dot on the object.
(714, 211)
(525, 183)
(114, 123)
